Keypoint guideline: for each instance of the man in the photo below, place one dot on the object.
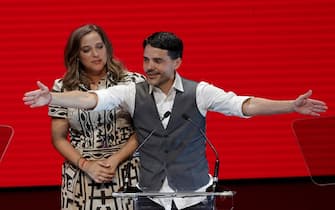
(165, 110)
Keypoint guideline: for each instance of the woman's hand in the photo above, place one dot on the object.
(99, 170)
(113, 163)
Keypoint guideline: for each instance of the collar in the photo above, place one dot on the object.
(177, 85)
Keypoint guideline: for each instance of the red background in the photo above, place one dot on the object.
(267, 48)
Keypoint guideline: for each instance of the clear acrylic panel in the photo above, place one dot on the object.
(6, 134)
(316, 138)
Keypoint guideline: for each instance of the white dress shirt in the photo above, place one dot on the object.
(208, 98)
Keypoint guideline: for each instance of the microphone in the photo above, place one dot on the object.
(217, 160)
(126, 183)
(166, 115)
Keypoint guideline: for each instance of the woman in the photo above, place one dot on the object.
(99, 141)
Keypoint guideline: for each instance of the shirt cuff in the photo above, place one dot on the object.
(243, 99)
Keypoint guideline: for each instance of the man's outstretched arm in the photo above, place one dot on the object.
(303, 105)
(74, 99)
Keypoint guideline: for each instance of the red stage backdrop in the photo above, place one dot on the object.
(267, 48)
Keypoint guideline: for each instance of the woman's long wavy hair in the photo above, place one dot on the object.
(75, 74)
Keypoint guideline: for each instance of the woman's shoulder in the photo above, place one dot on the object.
(58, 85)
(133, 77)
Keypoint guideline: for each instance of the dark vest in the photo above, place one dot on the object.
(177, 152)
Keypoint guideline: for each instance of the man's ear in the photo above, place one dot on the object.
(178, 62)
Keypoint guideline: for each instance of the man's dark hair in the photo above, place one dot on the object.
(166, 41)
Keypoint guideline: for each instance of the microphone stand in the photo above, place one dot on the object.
(217, 159)
(126, 184)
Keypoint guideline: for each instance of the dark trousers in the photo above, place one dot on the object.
(143, 203)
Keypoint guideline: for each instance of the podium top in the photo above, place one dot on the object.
(172, 194)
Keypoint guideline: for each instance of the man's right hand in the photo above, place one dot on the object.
(39, 97)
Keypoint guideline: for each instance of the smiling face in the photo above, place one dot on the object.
(159, 67)
(93, 53)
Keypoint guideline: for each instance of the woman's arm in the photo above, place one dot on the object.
(96, 169)
(124, 153)
(127, 150)
(59, 132)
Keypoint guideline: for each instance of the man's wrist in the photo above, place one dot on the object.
(293, 106)
(50, 99)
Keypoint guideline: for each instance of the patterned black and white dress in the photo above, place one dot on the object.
(97, 135)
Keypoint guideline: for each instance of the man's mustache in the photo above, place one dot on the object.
(151, 71)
